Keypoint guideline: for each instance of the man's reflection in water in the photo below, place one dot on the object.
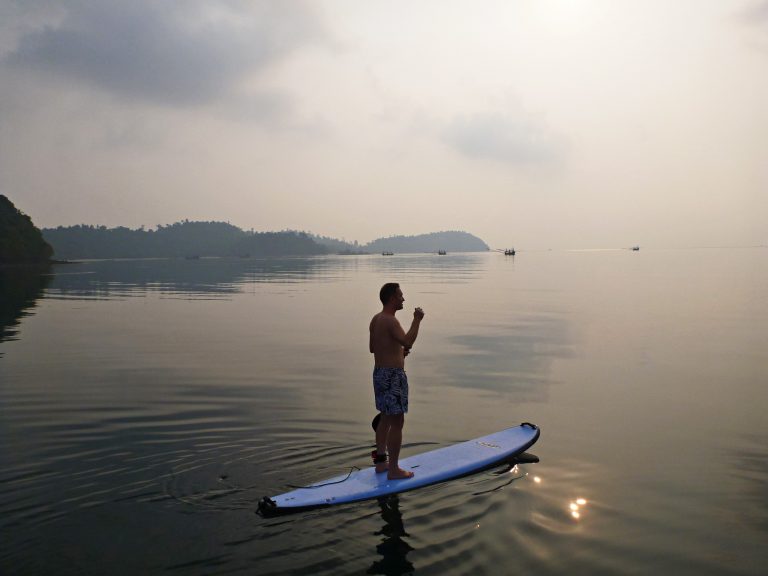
(392, 548)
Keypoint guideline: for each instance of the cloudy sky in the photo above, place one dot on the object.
(534, 123)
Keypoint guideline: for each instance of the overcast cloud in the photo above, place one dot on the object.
(171, 53)
(496, 136)
(541, 123)
(756, 13)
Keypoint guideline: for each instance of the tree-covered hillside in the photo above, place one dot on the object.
(20, 240)
(179, 240)
(448, 241)
(339, 246)
(278, 244)
(176, 240)
(200, 239)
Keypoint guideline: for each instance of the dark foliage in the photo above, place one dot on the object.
(180, 240)
(453, 241)
(20, 241)
(278, 244)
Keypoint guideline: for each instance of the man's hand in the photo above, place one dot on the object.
(418, 314)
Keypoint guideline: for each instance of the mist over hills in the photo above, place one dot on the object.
(199, 239)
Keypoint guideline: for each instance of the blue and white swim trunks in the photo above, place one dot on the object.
(390, 387)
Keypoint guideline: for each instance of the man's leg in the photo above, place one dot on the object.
(382, 431)
(394, 440)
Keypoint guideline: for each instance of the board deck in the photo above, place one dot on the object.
(429, 468)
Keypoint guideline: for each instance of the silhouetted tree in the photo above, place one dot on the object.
(20, 240)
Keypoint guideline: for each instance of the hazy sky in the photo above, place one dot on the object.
(536, 123)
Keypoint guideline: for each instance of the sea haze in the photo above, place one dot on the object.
(149, 404)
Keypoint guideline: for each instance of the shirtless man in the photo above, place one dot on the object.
(390, 344)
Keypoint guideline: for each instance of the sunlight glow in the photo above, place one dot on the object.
(575, 506)
(565, 17)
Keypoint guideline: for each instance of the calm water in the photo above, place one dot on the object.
(148, 405)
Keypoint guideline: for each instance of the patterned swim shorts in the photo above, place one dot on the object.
(390, 387)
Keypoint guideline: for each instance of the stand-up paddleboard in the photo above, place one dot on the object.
(429, 468)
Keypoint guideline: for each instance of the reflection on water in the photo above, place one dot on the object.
(148, 405)
(394, 547)
(577, 507)
(20, 288)
(223, 277)
(203, 278)
(515, 357)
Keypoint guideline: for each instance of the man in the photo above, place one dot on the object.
(390, 344)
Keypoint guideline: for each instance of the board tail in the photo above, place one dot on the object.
(267, 507)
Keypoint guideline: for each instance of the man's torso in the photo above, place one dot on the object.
(387, 351)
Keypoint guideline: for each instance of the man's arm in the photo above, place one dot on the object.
(370, 336)
(407, 339)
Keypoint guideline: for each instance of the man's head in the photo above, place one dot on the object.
(390, 294)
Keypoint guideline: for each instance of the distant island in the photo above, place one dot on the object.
(20, 241)
(453, 241)
(188, 239)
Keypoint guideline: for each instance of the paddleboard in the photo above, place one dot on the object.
(429, 468)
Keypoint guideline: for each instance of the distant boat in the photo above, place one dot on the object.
(385, 253)
(441, 252)
(509, 252)
(635, 248)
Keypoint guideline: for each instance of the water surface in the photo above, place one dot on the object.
(147, 405)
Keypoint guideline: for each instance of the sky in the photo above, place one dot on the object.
(529, 123)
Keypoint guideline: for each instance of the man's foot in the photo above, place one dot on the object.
(399, 474)
(382, 467)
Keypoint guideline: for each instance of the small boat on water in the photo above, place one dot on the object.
(385, 253)
(509, 252)
(441, 252)
(635, 248)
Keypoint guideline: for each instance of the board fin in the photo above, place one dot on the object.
(525, 458)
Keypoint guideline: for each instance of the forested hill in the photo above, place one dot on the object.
(448, 241)
(180, 240)
(433, 242)
(199, 239)
(20, 240)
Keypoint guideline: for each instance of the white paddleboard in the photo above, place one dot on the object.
(429, 468)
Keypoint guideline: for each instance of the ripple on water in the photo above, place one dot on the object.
(432, 529)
